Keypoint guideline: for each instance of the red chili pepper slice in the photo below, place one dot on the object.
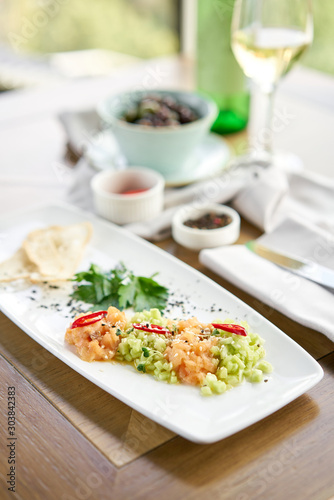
(151, 329)
(89, 319)
(237, 329)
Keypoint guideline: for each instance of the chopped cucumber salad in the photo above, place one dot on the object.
(175, 358)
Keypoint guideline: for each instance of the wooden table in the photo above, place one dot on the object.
(75, 441)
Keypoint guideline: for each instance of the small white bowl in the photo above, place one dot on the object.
(197, 239)
(110, 203)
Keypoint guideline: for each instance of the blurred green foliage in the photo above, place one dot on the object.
(143, 28)
(320, 55)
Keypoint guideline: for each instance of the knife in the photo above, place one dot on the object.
(305, 268)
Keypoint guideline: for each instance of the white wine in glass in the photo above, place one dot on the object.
(268, 36)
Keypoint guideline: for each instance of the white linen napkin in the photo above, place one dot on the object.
(298, 298)
(80, 127)
(79, 192)
(275, 194)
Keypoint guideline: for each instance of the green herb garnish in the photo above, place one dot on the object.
(120, 288)
(146, 352)
(141, 368)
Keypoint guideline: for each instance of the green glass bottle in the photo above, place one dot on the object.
(218, 74)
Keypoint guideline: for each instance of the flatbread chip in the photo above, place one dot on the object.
(40, 278)
(57, 250)
(49, 254)
(70, 243)
(17, 267)
(42, 251)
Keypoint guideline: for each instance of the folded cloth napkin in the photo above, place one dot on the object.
(80, 127)
(79, 192)
(273, 194)
(263, 196)
(298, 298)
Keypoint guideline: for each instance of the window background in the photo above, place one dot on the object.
(142, 28)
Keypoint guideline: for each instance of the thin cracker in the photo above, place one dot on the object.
(42, 251)
(19, 266)
(49, 254)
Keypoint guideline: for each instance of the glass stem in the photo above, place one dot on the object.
(261, 133)
(268, 136)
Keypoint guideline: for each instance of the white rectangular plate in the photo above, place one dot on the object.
(180, 408)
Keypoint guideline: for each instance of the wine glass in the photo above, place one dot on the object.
(268, 36)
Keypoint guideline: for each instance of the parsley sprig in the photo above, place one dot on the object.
(120, 288)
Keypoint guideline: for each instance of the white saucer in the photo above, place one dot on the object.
(209, 158)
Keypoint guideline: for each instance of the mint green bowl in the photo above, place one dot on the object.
(165, 149)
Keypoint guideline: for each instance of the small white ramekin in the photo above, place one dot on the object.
(107, 187)
(197, 239)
